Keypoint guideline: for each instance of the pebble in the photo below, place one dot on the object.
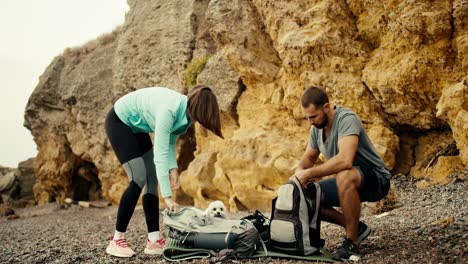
(397, 238)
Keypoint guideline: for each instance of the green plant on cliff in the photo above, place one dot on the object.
(194, 68)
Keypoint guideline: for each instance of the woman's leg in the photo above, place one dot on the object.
(128, 149)
(150, 194)
(154, 245)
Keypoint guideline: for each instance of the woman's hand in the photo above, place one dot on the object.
(174, 179)
(171, 205)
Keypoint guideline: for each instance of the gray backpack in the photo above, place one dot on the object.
(195, 230)
(295, 219)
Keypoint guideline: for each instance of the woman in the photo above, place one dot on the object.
(168, 114)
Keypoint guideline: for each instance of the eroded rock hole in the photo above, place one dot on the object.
(86, 185)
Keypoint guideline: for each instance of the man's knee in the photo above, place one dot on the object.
(330, 195)
(348, 179)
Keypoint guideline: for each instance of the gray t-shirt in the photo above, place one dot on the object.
(347, 123)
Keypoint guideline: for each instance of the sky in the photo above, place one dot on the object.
(32, 33)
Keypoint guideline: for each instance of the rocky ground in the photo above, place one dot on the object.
(428, 226)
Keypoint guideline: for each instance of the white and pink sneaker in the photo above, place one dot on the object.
(119, 248)
(156, 247)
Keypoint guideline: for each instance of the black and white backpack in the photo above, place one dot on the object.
(295, 219)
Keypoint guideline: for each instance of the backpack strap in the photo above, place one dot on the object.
(318, 199)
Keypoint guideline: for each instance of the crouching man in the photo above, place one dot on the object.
(361, 175)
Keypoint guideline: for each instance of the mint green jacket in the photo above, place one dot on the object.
(164, 112)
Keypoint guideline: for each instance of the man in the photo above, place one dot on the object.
(338, 133)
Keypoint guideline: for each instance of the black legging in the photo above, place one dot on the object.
(134, 151)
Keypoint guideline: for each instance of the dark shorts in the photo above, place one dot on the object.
(374, 187)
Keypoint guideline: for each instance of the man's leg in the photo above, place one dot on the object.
(330, 199)
(348, 182)
(329, 214)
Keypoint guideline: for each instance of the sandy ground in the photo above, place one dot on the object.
(428, 226)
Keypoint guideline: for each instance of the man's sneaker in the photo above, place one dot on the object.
(119, 248)
(156, 247)
(363, 232)
(346, 250)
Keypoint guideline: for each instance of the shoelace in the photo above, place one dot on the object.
(121, 242)
(161, 241)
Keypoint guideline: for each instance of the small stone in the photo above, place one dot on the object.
(13, 216)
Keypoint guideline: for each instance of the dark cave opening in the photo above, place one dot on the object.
(86, 185)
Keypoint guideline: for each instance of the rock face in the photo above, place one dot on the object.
(400, 65)
(453, 107)
(26, 177)
(16, 184)
(154, 45)
(9, 187)
(65, 114)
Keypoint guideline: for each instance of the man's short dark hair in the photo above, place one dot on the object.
(314, 95)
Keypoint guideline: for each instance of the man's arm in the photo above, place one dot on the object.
(308, 159)
(342, 161)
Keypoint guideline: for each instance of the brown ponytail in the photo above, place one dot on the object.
(203, 108)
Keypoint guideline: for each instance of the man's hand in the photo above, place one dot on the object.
(302, 176)
(174, 179)
(297, 169)
(171, 205)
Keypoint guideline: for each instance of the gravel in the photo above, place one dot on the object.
(428, 226)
